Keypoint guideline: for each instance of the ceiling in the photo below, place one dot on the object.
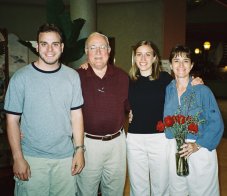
(42, 2)
(190, 3)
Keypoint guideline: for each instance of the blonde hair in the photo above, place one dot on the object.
(134, 72)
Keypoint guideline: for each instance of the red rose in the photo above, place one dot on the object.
(180, 119)
(160, 126)
(193, 128)
(169, 121)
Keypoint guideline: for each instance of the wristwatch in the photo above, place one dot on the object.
(82, 147)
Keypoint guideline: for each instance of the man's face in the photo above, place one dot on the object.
(97, 51)
(49, 47)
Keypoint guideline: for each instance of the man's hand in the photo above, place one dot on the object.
(21, 169)
(84, 66)
(78, 162)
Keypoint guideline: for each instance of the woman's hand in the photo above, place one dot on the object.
(196, 81)
(188, 148)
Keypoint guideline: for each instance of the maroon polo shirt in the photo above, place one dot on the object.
(105, 100)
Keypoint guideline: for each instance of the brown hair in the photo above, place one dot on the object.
(49, 28)
(134, 71)
(180, 50)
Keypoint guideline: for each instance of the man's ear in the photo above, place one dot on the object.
(37, 47)
(109, 49)
(62, 47)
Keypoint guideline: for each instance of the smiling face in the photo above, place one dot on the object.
(144, 58)
(181, 65)
(50, 48)
(97, 50)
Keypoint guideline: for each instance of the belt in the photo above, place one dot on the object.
(105, 137)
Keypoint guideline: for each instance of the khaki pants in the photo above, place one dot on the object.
(105, 163)
(49, 177)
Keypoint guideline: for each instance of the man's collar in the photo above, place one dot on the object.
(109, 71)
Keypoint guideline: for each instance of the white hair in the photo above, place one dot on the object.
(94, 34)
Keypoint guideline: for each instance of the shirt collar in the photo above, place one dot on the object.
(109, 72)
(173, 83)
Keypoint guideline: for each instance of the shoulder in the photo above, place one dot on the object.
(171, 86)
(203, 89)
(117, 73)
(80, 70)
(24, 69)
(84, 72)
(22, 72)
(69, 70)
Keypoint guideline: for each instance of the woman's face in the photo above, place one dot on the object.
(144, 57)
(181, 65)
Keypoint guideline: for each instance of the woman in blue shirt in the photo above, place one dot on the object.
(199, 148)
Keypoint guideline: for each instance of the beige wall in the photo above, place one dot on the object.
(129, 23)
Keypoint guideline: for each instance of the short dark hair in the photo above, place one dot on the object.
(179, 50)
(49, 28)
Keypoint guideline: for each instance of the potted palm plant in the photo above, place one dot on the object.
(58, 15)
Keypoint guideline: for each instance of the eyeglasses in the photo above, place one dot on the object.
(94, 47)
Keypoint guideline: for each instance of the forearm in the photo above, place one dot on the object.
(78, 137)
(13, 132)
(78, 127)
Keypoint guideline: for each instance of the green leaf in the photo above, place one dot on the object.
(66, 26)
(77, 26)
(74, 53)
(56, 14)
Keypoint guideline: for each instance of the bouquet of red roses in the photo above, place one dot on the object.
(180, 126)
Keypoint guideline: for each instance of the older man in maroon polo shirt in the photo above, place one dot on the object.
(105, 92)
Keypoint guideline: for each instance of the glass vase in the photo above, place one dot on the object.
(182, 168)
